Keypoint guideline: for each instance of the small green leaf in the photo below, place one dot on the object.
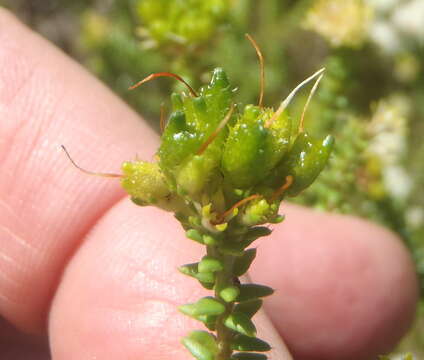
(230, 293)
(242, 263)
(188, 309)
(205, 306)
(305, 160)
(249, 308)
(193, 234)
(208, 320)
(248, 356)
(209, 306)
(179, 142)
(208, 286)
(206, 277)
(236, 248)
(189, 269)
(210, 240)
(241, 323)
(278, 219)
(246, 343)
(257, 232)
(253, 291)
(201, 344)
(210, 264)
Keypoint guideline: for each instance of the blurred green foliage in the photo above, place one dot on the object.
(371, 98)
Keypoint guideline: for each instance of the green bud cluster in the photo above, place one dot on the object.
(184, 22)
(224, 169)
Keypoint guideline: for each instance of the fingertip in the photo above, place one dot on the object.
(47, 206)
(7, 17)
(347, 288)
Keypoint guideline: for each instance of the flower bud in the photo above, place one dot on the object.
(257, 212)
(188, 167)
(306, 159)
(146, 184)
(254, 147)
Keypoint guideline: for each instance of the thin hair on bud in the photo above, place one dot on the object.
(162, 118)
(311, 94)
(222, 217)
(164, 74)
(290, 97)
(283, 188)
(262, 68)
(108, 175)
(213, 136)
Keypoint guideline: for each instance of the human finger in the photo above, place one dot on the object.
(46, 205)
(120, 293)
(345, 288)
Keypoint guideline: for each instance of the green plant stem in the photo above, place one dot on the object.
(224, 279)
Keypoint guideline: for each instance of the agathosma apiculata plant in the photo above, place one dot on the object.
(223, 169)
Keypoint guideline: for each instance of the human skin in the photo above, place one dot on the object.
(89, 275)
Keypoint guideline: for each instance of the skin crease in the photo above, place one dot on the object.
(94, 276)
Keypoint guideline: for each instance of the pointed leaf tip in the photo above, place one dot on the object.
(246, 343)
(205, 306)
(248, 356)
(253, 291)
(210, 264)
(242, 263)
(249, 308)
(201, 344)
(241, 323)
(195, 235)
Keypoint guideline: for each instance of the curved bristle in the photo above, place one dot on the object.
(283, 188)
(222, 217)
(109, 175)
(216, 132)
(262, 68)
(311, 94)
(290, 97)
(164, 74)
